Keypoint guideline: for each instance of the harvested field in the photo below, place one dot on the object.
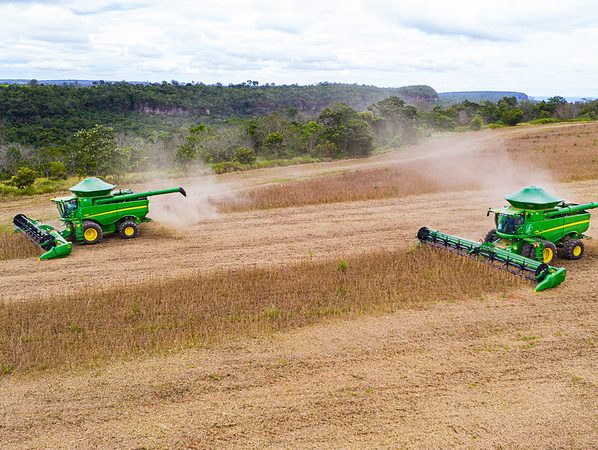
(242, 330)
(571, 154)
(541, 157)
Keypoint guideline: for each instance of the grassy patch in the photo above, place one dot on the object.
(152, 316)
(234, 166)
(41, 186)
(530, 341)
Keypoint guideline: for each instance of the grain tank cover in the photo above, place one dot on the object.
(92, 187)
(532, 197)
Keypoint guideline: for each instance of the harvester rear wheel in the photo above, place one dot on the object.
(128, 229)
(549, 252)
(92, 232)
(491, 236)
(573, 249)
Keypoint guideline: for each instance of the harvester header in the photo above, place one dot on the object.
(94, 209)
(528, 235)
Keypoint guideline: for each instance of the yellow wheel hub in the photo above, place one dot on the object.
(547, 255)
(129, 231)
(90, 234)
(577, 250)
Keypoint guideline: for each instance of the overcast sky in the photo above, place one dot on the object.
(538, 47)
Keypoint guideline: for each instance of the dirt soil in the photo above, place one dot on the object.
(516, 371)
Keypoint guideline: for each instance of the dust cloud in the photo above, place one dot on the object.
(178, 212)
(476, 163)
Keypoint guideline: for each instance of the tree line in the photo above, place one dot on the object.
(149, 140)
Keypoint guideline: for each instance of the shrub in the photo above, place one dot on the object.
(25, 177)
(228, 166)
(544, 120)
(511, 116)
(273, 139)
(476, 123)
(245, 155)
(57, 170)
(326, 149)
(396, 141)
(342, 265)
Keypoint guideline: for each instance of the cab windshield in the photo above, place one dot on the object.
(66, 208)
(509, 224)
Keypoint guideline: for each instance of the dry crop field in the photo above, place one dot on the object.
(299, 313)
(571, 154)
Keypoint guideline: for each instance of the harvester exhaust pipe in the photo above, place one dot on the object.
(546, 276)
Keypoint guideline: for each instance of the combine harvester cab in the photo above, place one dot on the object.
(94, 209)
(529, 234)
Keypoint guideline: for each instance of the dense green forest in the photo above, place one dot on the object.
(40, 114)
(478, 96)
(111, 128)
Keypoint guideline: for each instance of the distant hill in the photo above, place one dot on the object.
(479, 96)
(43, 113)
(81, 83)
(569, 99)
(246, 98)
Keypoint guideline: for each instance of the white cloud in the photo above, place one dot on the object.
(540, 47)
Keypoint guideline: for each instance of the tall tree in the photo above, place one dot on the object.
(94, 152)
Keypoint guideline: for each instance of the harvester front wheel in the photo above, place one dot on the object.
(92, 232)
(128, 229)
(573, 249)
(549, 252)
(528, 251)
(491, 236)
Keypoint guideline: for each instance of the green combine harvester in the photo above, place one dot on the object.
(529, 234)
(94, 209)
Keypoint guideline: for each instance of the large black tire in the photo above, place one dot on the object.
(549, 253)
(528, 250)
(491, 236)
(92, 232)
(573, 249)
(128, 229)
